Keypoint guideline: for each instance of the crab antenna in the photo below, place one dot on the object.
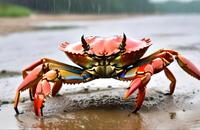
(85, 45)
(123, 44)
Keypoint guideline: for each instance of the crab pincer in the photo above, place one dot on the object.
(139, 83)
(43, 89)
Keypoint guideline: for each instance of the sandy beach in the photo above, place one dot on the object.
(21, 24)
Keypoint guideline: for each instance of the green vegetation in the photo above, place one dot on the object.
(178, 7)
(97, 7)
(7, 10)
(86, 6)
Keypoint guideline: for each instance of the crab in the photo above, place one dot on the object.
(115, 57)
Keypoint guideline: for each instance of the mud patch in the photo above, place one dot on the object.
(189, 47)
(38, 28)
(6, 73)
(169, 34)
(107, 99)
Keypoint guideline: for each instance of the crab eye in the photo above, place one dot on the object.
(85, 45)
(123, 44)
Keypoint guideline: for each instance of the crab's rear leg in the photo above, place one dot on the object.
(162, 58)
(183, 62)
(171, 77)
(188, 66)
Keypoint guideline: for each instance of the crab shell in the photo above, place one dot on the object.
(106, 47)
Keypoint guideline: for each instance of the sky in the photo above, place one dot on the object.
(170, 0)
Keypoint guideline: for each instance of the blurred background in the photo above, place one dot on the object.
(32, 29)
(55, 21)
(24, 7)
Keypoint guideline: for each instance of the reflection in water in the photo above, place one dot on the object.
(92, 119)
(110, 119)
(113, 118)
(94, 115)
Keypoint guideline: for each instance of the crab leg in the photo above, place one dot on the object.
(139, 81)
(185, 64)
(169, 55)
(140, 73)
(43, 89)
(171, 77)
(29, 80)
(188, 66)
(53, 71)
(162, 58)
(25, 73)
(31, 67)
(140, 98)
(56, 87)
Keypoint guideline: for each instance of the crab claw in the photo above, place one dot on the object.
(43, 89)
(38, 104)
(188, 66)
(139, 84)
(140, 80)
(133, 86)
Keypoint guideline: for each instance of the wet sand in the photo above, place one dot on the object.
(98, 104)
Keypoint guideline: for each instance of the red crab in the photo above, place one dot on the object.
(99, 57)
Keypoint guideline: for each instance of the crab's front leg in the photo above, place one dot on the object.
(30, 68)
(140, 77)
(44, 89)
(140, 73)
(49, 71)
(56, 76)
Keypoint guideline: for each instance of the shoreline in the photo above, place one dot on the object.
(22, 24)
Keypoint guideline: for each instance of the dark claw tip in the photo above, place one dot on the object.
(134, 111)
(168, 94)
(19, 113)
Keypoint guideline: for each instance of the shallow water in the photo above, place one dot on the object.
(103, 118)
